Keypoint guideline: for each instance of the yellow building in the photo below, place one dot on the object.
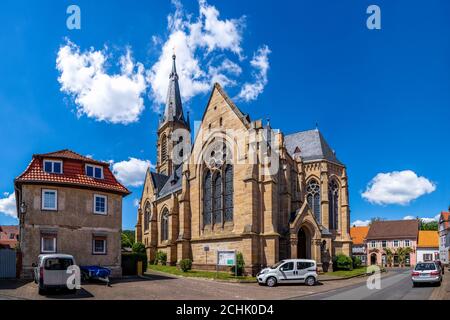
(241, 186)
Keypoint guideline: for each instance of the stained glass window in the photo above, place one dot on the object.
(333, 204)
(228, 196)
(313, 198)
(165, 225)
(207, 201)
(218, 198)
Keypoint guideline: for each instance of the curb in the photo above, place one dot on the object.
(346, 278)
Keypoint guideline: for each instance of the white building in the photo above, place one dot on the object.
(428, 246)
(444, 237)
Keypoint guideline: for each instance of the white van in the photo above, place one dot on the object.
(289, 271)
(51, 271)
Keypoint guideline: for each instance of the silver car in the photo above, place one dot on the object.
(426, 272)
(289, 271)
(51, 271)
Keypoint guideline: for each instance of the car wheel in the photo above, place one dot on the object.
(41, 291)
(271, 282)
(310, 281)
(414, 285)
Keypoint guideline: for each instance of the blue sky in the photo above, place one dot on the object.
(380, 97)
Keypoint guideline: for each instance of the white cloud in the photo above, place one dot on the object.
(8, 205)
(115, 98)
(260, 61)
(360, 223)
(131, 172)
(200, 45)
(425, 220)
(397, 187)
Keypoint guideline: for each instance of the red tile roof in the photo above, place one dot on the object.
(358, 234)
(400, 229)
(5, 239)
(444, 218)
(73, 173)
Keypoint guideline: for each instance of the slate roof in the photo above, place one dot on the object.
(174, 107)
(311, 144)
(73, 173)
(167, 185)
(396, 229)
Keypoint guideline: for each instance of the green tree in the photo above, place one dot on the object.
(138, 247)
(127, 238)
(402, 253)
(389, 256)
(432, 226)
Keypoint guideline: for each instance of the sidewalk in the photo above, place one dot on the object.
(442, 292)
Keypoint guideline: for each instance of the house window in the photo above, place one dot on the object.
(100, 204)
(384, 243)
(228, 196)
(99, 245)
(313, 198)
(53, 166)
(427, 257)
(94, 171)
(217, 201)
(407, 243)
(49, 199)
(48, 243)
(373, 244)
(395, 243)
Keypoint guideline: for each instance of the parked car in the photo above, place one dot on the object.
(289, 271)
(440, 265)
(51, 271)
(426, 272)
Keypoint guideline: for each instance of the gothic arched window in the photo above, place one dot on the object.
(333, 204)
(146, 216)
(165, 225)
(228, 195)
(163, 148)
(313, 198)
(217, 195)
(207, 199)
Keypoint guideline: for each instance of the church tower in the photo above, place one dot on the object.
(172, 120)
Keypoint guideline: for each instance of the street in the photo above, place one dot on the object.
(395, 286)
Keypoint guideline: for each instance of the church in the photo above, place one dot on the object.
(241, 185)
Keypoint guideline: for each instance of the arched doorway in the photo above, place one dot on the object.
(373, 259)
(304, 244)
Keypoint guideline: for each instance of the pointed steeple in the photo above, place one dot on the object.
(174, 108)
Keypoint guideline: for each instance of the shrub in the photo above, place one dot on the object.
(186, 265)
(342, 262)
(357, 263)
(138, 247)
(161, 257)
(240, 264)
(130, 260)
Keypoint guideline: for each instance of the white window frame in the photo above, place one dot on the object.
(398, 243)
(55, 208)
(93, 171)
(373, 244)
(407, 243)
(53, 166)
(93, 246)
(42, 244)
(106, 204)
(385, 241)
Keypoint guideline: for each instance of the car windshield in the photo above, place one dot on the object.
(57, 264)
(276, 265)
(425, 266)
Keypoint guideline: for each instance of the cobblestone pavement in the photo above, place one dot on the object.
(161, 287)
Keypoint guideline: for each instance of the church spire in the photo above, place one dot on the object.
(174, 108)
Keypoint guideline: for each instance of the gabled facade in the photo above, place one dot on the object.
(70, 204)
(359, 248)
(391, 236)
(444, 236)
(241, 186)
(428, 246)
(9, 237)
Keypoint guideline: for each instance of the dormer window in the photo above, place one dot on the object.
(53, 166)
(94, 171)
